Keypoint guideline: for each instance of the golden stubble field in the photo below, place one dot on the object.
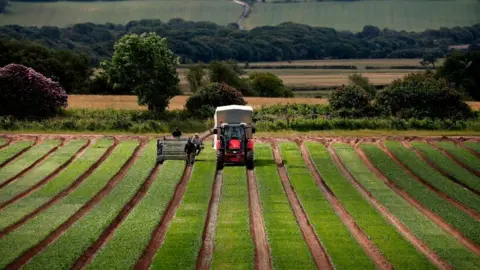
(177, 103)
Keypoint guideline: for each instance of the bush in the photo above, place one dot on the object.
(363, 82)
(420, 95)
(351, 101)
(269, 85)
(203, 103)
(25, 92)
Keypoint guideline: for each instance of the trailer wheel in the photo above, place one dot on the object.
(249, 160)
(160, 160)
(220, 160)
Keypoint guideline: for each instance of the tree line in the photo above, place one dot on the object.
(206, 41)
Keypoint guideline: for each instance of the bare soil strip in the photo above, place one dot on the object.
(10, 140)
(89, 254)
(434, 217)
(263, 260)
(47, 178)
(434, 166)
(36, 163)
(319, 254)
(473, 152)
(454, 159)
(28, 255)
(159, 233)
(444, 196)
(204, 259)
(392, 219)
(62, 194)
(361, 237)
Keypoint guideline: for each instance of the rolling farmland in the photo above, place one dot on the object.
(102, 202)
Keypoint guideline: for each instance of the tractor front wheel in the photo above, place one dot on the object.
(249, 160)
(220, 160)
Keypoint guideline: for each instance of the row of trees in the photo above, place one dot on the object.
(205, 41)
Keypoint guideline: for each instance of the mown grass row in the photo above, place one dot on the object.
(133, 235)
(475, 146)
(448, 165)
(396, 249)
(41, 225)
(13, 149)
(462, 154)
(460, 220)
(421, 226)
(34, 176)
(184, 237)
(288, 248)
(3, 142)
(16, 211)
(27, 159)
(84, 232)
(420, 168)
(341, 247)
(233, 242)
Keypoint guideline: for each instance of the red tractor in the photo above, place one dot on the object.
(234, 145)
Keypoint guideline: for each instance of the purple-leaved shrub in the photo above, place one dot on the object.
(26, 93)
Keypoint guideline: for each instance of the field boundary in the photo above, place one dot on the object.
(204, 259)
(319, 254)
(360, 236)
(434, 217)
(30, 253)
(462, 207)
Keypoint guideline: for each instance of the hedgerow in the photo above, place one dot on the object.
(440, 241)
(16, 211)
(41, 225)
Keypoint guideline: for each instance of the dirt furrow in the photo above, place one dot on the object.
(90, 253)
(257, 225)
(63, 193)
(319, 254)
(29, 254)
(9, 141)
(158, 235)
(36, 163)
(440, 170)
(204, 259)
(6, 162)
(47, 178)
(434, 217)
(392, 219)
(451, 200)
(473, 152)
(361, 237)
(454, 159)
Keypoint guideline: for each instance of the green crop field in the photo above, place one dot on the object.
(93, 202)
(393, 14)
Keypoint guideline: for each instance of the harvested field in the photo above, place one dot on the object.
(98, 202)
(178, 102)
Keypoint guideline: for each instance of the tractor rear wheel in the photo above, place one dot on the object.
(220, 160)
(249, 160)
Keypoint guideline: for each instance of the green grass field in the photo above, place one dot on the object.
(113, 207)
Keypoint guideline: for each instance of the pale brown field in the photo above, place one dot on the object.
(360, 63)
(130, 102)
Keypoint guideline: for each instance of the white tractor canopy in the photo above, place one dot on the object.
(233, 114)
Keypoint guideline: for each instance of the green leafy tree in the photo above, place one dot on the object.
(230, 72)
(429, 59)
(363, 82)
(268, 85)
(146, 65)
(195, 77)
(351, 101)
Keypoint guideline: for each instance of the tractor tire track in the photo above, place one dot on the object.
(454, 159)
(36, 163)
(63, 193)
(263, 260)
(437, 168)
(47, 178)
(391, 218)
(318, 252)
(462, 207)
(6, 162)
(362, 238)
(158, 235)
(427, 212)
(90, 253)
(30, 253)
(204, 259)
